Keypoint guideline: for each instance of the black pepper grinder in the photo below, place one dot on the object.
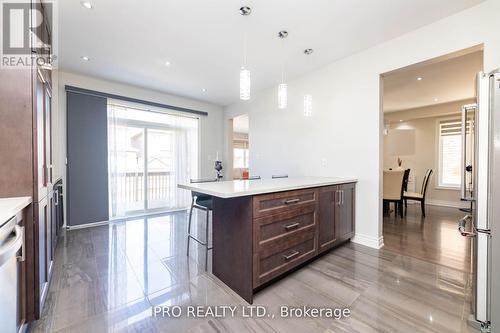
(218, 169)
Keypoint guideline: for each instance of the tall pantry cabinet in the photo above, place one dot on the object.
(26, 167)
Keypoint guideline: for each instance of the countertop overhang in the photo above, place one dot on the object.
(241, 188)
(9, 207)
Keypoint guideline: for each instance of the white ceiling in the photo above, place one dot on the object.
(129, 41)
(441, 82)
(241, 124)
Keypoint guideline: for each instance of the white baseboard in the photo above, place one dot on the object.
(443, 203)
(373, 242)
(86, 225)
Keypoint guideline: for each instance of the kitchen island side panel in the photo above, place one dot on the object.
(233, 244)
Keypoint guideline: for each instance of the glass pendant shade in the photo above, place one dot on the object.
(282, 96)
(244, 84)
(307, 105)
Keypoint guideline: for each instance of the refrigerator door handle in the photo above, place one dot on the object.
(465, 167)
(462, 223)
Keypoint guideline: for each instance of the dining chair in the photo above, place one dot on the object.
(419, 196)
(279, 176)
(204, 203)
(393, 190)
(406, 177)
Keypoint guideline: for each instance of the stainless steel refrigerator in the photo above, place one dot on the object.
(481, 187)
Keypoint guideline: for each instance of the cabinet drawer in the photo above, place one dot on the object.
(276, 264)
(274, 203)
(285, 223)
(281, 243)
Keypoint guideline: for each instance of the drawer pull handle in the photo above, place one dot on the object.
(291, 255)
(292, 226)
(291, 201)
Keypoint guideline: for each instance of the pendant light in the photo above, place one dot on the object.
(244, 84)
(308, 99)
(244, 72)
(283, 87)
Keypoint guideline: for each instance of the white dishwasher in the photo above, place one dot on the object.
(11, 245)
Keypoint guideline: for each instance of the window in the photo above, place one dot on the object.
(240, 158)
(240, 154)
(450, 152)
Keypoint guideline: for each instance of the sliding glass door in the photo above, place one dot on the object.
(160, 160)
(149, 154)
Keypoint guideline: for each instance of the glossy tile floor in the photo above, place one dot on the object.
(107, 278)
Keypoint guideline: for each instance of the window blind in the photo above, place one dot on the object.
(450, 127)
(450, 150)
(454, 126)
(241, 144)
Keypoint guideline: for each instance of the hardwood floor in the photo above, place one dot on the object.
(434, 238)
(108, 278)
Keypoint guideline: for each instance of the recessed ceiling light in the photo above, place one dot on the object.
(308, 51)
(245, 10)
(419, 78)
(400, 120)
(204, 89)
(436, 99)
(283, 34)
(85, 58)
(86, 4)
(167, 63)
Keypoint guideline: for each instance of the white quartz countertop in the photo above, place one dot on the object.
(9, 207)
(241, 188)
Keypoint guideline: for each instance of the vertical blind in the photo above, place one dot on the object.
(87, 152)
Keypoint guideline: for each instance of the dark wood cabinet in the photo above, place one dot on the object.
(344, 222)
(283, 241)
(328, 208)
(26, 168)
(42, 134)
(42, 218)
(336, 215)
(260, 238)
(44, 232)
(276, 203)
(43, 192)
(294, 226)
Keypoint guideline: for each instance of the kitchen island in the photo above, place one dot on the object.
(262, 229)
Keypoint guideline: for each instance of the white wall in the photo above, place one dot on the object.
(346, 124)
(211, 126)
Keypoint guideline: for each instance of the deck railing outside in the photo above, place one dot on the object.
(159, 186)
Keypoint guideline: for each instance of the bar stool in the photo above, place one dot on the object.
(279, 176)
(205, 203)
